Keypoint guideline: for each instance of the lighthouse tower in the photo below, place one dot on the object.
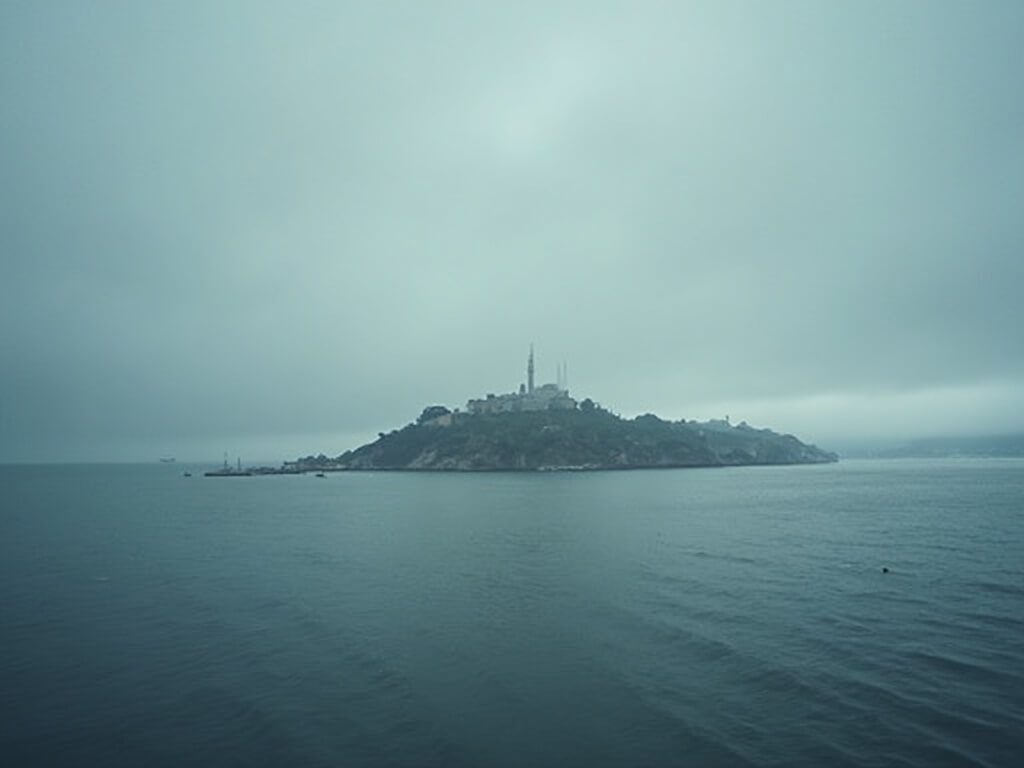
(529, 371)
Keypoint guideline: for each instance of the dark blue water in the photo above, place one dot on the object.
(655, 618)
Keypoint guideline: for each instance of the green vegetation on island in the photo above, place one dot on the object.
(582, 436)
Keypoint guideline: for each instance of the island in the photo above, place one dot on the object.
(1005, 446)
(542, 428)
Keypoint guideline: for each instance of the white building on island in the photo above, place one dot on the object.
(529, 397)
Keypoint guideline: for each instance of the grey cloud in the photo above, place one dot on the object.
(224, 223)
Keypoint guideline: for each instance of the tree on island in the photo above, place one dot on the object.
(432, 412)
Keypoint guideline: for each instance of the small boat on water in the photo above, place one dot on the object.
(187, 474)
(320, 474)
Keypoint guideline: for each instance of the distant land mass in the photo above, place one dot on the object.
(977, 446)
(540, 427)
(587, 437)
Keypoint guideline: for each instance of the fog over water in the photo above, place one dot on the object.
(278, 230)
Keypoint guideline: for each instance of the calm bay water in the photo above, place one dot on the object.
(651, 618)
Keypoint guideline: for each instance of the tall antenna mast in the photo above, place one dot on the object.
(529, 371)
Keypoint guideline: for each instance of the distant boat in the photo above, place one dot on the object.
(228, 471)
(168, 460)
(188, 474)
(320, 474)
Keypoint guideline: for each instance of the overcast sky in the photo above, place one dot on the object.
(275, 229)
